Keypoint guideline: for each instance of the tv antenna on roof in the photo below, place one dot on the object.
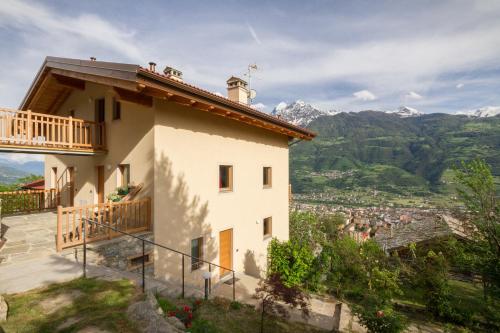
(251, 92)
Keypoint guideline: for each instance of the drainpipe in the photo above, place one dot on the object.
(295, 142)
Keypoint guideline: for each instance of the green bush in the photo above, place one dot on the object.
(165, 304)
(202, 326)
(380, 320)
(291, 260)
(235, 305)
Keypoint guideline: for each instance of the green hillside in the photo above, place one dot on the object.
(394, 155)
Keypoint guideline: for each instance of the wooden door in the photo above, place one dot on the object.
(226, 250)
(71, 186)
(100, 184)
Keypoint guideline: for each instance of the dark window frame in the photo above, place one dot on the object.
(226, 185)
(196, 258)
(121, 168)
(117, 109)
(267, 175)
(267, 227)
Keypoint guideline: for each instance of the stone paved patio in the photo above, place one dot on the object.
(28, 237)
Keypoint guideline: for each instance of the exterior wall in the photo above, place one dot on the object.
(129, 141)
(176, 152)
(189, 147)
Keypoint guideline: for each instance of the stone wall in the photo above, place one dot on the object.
(119, 252)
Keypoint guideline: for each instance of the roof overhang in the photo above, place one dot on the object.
(58, 77)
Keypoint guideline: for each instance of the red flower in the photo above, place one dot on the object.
(171, 313)
(190, 315)
(187, 308)
(380, 314)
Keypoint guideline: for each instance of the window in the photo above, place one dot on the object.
(53, 178)
(268, 227)
(123, 175)
(196, 253)
(100, 110)
(225, 177)
(268, 177)
(117, 109)
(136, 261)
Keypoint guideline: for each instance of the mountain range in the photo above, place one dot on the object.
(300, 113)
(393, 151)
(11, 171)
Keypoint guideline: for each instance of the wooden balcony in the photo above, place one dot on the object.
(29, 132)
(128, 216)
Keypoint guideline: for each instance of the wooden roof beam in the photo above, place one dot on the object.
(134, 97)
(69, 82)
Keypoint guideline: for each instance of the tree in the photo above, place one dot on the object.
(305, 229)
(290, 260)
(477, 190)
(273, 292)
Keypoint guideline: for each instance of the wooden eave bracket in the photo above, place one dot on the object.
(134, 97)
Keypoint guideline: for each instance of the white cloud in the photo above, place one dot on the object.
(22, 158)
(254, 34)
(413, 95)
(396, 58)
(84, 28)
(365, 95)
(460, 86)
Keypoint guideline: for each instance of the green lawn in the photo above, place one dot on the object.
(466, 296)
(224, 316)
(94, 303)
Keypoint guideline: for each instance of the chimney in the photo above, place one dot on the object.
(237, 90)
(152, 66)
(173, 73)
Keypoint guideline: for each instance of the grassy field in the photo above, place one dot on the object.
(223, 316)
(69, 307)
(466, 296)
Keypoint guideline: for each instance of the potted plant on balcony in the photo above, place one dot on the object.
(119, 193)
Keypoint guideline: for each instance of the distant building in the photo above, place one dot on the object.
(34, 185)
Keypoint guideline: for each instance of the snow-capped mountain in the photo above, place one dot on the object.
(405, 111)
(487, 111)
(299, 113)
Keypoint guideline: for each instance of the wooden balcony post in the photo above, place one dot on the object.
(59, 239)
(148, 212)
(110, 235)
(70, 132)
(29, 131)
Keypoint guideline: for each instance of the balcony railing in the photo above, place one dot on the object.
(28, 201)
(128, 216)
(38, 131)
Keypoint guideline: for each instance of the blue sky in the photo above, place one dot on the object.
(436, 56)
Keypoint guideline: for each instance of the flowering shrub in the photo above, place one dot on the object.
(185, 313)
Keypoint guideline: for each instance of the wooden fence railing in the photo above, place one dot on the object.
(129, 216)
(27, 201)
(26, 128)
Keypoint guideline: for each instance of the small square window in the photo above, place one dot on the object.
(225, 177)
(268, 177)
(117, 110)
(268, 227)
(135, 262)
(196, 253)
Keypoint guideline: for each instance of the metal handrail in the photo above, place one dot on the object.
(84, 234)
